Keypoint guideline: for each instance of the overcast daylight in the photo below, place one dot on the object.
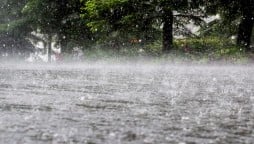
(126, 71)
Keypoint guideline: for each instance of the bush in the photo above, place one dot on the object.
(195, 49)
(213, 48)
(154, 49)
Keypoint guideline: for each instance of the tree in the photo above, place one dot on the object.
(138, 16)
(246, 23)
(238, 15)
(58, 18)
(13, 27)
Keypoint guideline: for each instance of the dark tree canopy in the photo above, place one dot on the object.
(141, 16)
(72, 23)
(14, 27)
(236, 14)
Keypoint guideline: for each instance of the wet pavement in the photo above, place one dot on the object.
(132, 104)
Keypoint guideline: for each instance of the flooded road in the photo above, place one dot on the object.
(114, 104)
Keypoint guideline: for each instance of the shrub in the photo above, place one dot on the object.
(213, 48)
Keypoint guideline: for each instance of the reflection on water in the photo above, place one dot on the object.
(126, 104)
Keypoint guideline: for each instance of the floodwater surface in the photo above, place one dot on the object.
(129, 104)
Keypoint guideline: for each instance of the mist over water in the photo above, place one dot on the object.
(126, 102)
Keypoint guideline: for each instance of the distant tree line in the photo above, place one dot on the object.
(89, 22)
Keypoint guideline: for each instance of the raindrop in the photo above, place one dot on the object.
(112, 134)
(63, 21)
(82, 98)
(185, 118)
(26, 118)
(141, 50)
(233, 37)
(217, 16)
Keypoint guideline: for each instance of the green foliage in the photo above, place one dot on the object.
(154, 49)
(141, 19)
(43, 15)
(60, 18)
(3, 27)
(201, 50)
(14, 28)
(11, 19)
(99, 12)
(237, 18)
(219, 28)
(127, 27)
(213, 48)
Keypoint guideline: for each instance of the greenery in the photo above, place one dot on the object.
(197, 50)
(130, 28)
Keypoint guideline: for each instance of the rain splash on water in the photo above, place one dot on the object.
(126, 103)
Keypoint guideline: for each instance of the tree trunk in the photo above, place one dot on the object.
(167, 31)
(245, 29)
(45, 47)
(49, 48)
(63, 44)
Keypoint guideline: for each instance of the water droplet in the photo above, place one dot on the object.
(82, 98)
(185, 118)
(28, 117)
(112, 134)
